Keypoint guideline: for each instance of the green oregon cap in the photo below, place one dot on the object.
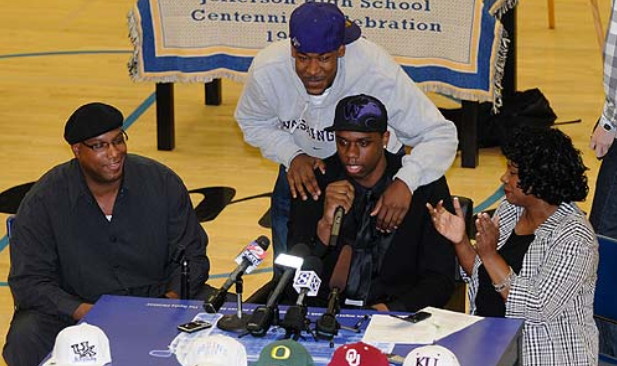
(286, 352)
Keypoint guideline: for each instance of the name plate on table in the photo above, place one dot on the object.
(456, 48)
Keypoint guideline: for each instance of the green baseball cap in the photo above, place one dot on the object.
(286, 352)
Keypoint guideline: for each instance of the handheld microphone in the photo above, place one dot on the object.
(263, 316)
(336, 226)
(327, 326)
(249, 258)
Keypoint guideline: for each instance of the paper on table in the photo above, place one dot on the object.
(386, 329)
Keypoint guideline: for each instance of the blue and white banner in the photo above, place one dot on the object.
(455, 48)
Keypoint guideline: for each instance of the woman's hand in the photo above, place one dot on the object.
(487, 235)
(450, 226)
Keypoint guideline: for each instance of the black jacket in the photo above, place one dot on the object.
(418, 266)
(65, 252)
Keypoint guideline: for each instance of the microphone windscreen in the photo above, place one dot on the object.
(312, 263)
(263, 242)
(308, 277)
(341, 269)
(300, 250)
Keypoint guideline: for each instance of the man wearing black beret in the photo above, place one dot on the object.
(105, 222)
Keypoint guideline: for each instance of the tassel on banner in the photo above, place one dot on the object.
(498, 8)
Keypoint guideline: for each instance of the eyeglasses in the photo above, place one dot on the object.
(101, 146)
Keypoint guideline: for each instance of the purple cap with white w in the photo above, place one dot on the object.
(360, 113)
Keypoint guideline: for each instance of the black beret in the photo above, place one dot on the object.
(91, 120)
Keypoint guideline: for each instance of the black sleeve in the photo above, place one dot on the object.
(34, 276)
(185, 232)
(436, 265)
(303, 219)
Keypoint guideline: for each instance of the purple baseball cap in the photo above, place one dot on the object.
(360, 113)
(317, 27)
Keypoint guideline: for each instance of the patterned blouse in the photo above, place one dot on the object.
(554, 290)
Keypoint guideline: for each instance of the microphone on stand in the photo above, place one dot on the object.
(185, 279)
(306, 283)
(327, 326)
(249, 258)
(185, 282)
(263, 316)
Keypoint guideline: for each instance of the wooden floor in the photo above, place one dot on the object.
(47, 69)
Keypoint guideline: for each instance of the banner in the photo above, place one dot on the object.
(456, 48)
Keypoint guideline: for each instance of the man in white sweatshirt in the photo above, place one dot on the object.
(290, 97)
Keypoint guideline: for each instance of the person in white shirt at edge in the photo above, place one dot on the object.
(290, 96)
(603, 214)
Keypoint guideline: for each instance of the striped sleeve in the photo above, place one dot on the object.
(610, 69)
(562, 268)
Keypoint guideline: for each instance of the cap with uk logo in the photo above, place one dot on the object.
(286, 352)
(81, 344)
(358, 354)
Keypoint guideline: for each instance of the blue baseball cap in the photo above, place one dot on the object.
(317, 27)
(360, 113)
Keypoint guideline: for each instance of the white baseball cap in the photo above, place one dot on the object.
(435, 354)
(81, 344)
(213, 350)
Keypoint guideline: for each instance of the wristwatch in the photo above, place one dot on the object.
(607, 125)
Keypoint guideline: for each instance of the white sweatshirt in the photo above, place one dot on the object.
(277, 115)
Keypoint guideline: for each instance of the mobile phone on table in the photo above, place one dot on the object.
(395, 359)
(194, 326)
(413, 318)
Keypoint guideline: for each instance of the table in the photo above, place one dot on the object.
(138, 326)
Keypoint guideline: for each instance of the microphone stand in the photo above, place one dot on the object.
(296, 321)
(237, 322)
(326, 327)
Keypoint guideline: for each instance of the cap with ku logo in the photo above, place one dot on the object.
(431, 355)
(286, 352)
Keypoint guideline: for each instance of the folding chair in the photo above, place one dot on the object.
(605, 302)
(9, 226)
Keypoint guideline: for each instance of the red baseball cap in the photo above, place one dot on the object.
(358, 354)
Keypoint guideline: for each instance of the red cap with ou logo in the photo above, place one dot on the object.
(358, 354)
